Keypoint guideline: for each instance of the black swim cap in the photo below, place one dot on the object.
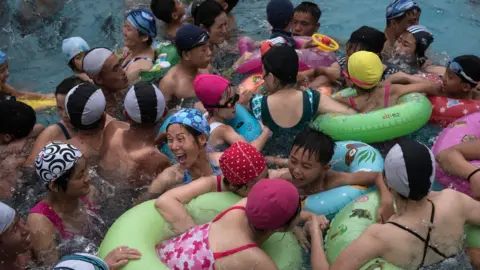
(470, 65)
(282, 62)
(410, 169)
(370, 39)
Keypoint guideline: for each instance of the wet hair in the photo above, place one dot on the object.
(231, 187)
(231, 5)
(62, 181)
(407, 13)
(309, 7)
(207, 12)
(471, 66)
(72, 66)
(163, 9)
(16, 118)
(368, 39)
(67, 84)
(317, 143)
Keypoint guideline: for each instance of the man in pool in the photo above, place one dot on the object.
(15, 240)
(171, 12)
(309, 170)
(306, 19)
(17, 136)
(7, 90)
(400, 14)
(177, 85)
(128, 155)
(103, 67)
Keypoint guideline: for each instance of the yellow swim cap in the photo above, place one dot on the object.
(365, 69)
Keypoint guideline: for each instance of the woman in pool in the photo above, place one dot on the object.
(187, 135)
(428, 227)
(219, 98)
(67, 209)
(74, 49)
(211, 16)
(364, 74)
(272, 205)
(139, 31)
(63, 130)
(279, 110)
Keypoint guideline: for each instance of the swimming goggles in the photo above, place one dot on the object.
(397, 8)
(230, 103)
(358, 82)
(456, 68)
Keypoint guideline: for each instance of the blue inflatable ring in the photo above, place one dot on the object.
(350, 156)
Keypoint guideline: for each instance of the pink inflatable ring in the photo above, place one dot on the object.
(464, 129)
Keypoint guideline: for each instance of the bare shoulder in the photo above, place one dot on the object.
(39, 223)
(255, 258)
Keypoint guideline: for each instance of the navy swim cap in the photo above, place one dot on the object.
(279, 13)
(189, 37)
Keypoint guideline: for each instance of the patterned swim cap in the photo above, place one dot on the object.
(191, 118)
(241, 163)
(55, 159)
(81, 261)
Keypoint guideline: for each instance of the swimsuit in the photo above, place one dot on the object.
(284, 136)
(187, 177)
(386, 97)
(44, 209)
(191, 250)
(64, 130)
(135, 59)
(425, 241)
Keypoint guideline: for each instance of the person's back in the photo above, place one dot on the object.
(128, 153)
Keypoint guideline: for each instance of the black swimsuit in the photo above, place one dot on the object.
(64, 130)
(426, 241)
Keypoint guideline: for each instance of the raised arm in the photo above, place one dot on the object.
(171, 204)
(329, 105)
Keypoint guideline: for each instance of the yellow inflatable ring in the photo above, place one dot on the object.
(325, 43)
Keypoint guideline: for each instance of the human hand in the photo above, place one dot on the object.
(309, 44)
(301, 237)
(120, 257)
(265, 129)
(385, 211)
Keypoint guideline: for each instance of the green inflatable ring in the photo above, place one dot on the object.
(142, 227)
(349, 223)
(157, 72)
(410, 114)
(473, 236)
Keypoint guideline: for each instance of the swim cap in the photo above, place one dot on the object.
(423, 38)
(144, 103)
(365, 69)
(210, 88)
(7, 216)
(143, 21)
(282, 62)
(85, 105)
(94, 60)
(410, 169)
(241, 163)
(3, 57)
(81, 261)
(71, 47)
(271, 204)
(279, 13)
(192, 118)
(397, 8)
(189, 37)
(469, 64)
(56, 159)
(371, 39)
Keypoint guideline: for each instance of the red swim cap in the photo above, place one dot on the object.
(241, 163)
(271, 204)
(209, 88)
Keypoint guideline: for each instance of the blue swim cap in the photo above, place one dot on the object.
(71, 47)
(80, 261)
(143, 20)
(192, 118)
(3, 57)
(397, 8)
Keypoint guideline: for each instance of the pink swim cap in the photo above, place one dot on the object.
(271, 204)
(209, 88)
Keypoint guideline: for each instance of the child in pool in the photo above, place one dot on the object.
(365, 71)
(219, 98)
(8, 90)
(309, 170)
(74, 49)
(171, 12)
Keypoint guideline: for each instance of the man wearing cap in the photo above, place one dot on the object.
(193, 47)
(15, 240)
(400, 15)
(104, 68)
(128, 151)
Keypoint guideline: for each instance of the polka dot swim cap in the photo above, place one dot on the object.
(241, 163)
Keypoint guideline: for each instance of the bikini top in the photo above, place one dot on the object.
(386, 97)
(425, 241)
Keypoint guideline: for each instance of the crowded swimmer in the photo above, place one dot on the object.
(222, 176)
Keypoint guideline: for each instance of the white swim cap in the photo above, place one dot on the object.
(7, 215)
(94, 60)
(71, 47)
(144, 103)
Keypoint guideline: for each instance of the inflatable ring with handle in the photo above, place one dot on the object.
(325, 43)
